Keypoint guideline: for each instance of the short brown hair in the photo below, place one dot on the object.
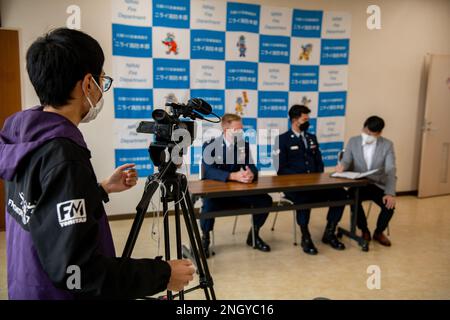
(227, 118)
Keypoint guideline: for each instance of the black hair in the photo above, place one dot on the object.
(58, 60)
(374, 124)
(297, 110)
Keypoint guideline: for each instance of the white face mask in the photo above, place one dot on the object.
(368, 139)
(235, 135)
(93, 110)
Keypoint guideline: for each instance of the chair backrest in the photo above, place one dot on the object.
(201, 170)
(341, 155)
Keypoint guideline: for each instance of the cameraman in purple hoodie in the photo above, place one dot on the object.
(55, 219)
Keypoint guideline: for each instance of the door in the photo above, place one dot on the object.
(10, 99)
(434, 178)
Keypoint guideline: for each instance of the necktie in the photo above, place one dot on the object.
(305, 143)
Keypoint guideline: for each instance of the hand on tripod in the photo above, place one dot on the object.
(182, 272)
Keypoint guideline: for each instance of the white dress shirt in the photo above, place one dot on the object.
(369, 151)
(227, 143)
(302, 136)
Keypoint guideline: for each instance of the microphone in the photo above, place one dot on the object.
(200, 105)
(195, 108)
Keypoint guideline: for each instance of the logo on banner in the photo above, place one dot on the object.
(272, 104)
(304, 78)
(171, 44)
(131, 41)
(306, 51)
(242, 47)
(171, 98)
(243, 17)
(241, 75)
(241, 103)
(306, 101)
(306, 23)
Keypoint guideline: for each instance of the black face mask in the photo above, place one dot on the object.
(304, 126)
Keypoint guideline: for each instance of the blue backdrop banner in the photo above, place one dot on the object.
(252, 60)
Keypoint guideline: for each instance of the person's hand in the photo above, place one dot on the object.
(241, 176)
(235, 176)
(389, 201)
(248, 174)
(182, 271)
(123, 178)
(339, 168)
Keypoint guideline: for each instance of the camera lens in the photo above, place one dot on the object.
(161, 116)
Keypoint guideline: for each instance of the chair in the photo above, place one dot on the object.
(283, 201)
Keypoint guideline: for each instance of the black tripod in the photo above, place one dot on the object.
(175, 189)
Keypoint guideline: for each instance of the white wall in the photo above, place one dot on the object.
(386, 69)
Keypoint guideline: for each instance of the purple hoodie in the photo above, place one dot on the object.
(22, 135)
(26, 131)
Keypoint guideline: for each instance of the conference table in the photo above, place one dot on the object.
(284, 183)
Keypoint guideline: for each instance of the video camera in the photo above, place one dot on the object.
(166, 127)
(172, 139)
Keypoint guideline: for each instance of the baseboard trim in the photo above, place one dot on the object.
(408, 193)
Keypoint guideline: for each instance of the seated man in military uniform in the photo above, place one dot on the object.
(227, 158)
(297, 151)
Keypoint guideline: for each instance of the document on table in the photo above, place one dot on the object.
(353, 175)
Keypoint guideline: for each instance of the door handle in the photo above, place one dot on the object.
(427, 127)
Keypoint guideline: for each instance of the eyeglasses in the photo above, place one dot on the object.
(107, 82)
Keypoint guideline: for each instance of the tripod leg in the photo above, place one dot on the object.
(166, 237)
(194, 237)
(196, 252)
(134, 232)
(178, 235)
(253, 233)
(141, 209)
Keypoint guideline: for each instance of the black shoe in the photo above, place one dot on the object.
(308, 246)
(329, 237)
(259, 243)
(205, 244)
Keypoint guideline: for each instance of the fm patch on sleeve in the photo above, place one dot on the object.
(71, 212)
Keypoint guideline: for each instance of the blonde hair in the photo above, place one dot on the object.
(227, 118)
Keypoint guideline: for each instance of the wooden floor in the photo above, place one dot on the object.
(417, 266)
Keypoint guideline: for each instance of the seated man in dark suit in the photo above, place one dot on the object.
(297, 151)
(227, 158)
